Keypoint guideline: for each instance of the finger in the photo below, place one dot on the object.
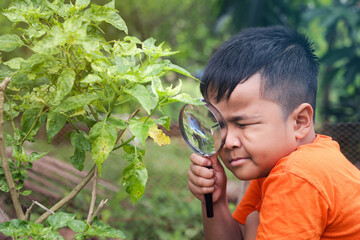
(200, 181)
(200, 160)
(197, 191)
(215, 163)
(201, 171)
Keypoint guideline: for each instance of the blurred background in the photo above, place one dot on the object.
(196, 29)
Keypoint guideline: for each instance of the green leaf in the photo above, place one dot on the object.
(134, 178)
(3, 186)
(65, 83)
(26, 192)
(102, 229)
(91, 78)
(80, 140)
(117, 122)
(78, 159)
(59, 220)
(82, 3)
(14, 63)
(105, 14)
(185, 98)
(20, 228)
(165, 121)
(55, 122)
(103, 138)
(140, 93)
(77, 225)
(81, 143)
(76, 101)
(9, 42)
(176, 68)
(55, 37)
(36, 156)
(139, 129)
(28, 120)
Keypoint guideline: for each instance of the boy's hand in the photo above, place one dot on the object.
(203, 180)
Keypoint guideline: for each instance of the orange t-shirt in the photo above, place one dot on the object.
(314, 193)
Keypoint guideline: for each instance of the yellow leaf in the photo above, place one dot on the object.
(158, 135)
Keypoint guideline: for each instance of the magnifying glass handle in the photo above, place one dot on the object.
(209, 205)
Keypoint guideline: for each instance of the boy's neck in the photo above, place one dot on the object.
(309, 138)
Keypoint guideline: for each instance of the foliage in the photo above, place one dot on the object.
(187, 25)
(20, 228)
(163, 215)
(74, 75)
(340, 76)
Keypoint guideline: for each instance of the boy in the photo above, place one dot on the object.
(264, 83)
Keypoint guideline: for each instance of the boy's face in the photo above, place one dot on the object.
(258, 135)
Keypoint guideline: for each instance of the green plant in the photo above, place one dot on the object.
(73, 75)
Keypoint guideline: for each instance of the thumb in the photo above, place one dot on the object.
(215, 163)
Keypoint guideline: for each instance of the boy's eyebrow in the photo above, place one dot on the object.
(243, 117)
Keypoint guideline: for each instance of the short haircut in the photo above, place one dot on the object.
(284, 58)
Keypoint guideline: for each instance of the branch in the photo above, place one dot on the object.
(98, 209)
(120, 133)
(93, 195)
(4, 157)
(68, 197)
(28, 211)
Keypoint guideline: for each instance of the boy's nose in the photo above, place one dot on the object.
(231, 141)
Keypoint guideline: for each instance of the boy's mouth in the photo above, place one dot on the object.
(238, 161)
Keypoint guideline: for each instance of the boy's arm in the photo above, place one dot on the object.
(251, 225)
(203, 180)
(222, 225)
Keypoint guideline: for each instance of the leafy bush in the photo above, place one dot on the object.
(73, 75)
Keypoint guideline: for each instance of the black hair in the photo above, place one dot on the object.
(284, 58)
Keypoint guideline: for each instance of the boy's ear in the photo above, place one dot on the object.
(303, 120)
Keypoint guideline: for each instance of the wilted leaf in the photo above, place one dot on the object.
(158, 135)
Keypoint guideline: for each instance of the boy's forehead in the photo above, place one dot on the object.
(253, 84)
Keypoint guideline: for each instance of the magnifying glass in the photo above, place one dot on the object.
(204, 130)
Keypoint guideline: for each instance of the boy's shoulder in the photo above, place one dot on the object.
(319, 163)
(322, 153)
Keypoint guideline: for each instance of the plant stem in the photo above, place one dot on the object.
(120, 133)
(93, 113)
(93, 195)
(33, 125)
(97, 211)
(68, 197)
(4, 158)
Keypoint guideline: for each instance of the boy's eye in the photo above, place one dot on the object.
(222, 125)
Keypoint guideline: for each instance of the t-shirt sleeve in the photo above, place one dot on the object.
(249, 202)
(291, 208)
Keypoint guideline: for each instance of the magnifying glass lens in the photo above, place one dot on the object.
(202, 128)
